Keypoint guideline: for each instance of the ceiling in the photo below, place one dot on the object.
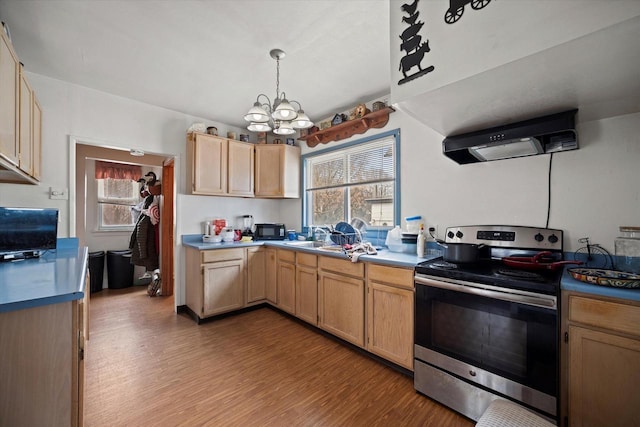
(209, 59)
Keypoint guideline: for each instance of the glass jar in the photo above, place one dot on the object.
(628, 249)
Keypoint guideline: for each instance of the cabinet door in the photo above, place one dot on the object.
(223, 287)
(287, 287)
(25, 135)
(269, 171)
(390, 323)
(272, 276)
(277, 171)
(208, 157)
(341, 306)
(256, 274)
(604, 373)
(307, 294)
(9, 95)
(37, 139)
(240, 172)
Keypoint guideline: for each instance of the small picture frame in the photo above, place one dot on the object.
(291, 141)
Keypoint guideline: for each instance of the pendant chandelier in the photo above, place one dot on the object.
(280, 116)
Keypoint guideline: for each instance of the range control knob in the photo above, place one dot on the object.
(459, 234)
(553, 238)
(450, 234)
(539, 237)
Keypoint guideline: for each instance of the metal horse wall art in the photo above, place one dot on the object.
(412, 44)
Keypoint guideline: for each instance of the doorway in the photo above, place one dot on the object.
(83, 151)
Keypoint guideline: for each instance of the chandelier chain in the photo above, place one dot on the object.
(278, 78)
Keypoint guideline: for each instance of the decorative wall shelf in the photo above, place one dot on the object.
(377, 119)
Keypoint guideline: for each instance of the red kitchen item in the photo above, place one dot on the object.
(540, 261)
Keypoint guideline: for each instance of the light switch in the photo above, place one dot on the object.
(58, 193)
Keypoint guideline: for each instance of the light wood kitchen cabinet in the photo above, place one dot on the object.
(287, 281)
(20, 121)
(603, 340)
(215, 281)
(240, 168)
(277, 171)
(219, 166)
(26, 126)
(36, 154)
(42, 365)
(341, 300)
(390, 303)
(9, 100)
(272, 276)
(256, 274)
(307, 287)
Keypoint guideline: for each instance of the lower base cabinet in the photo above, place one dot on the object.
(287, 281)
(215, 281)
(42, 365)
(307, 288)
(390, 303)
(341, 303)
(256, 274)
(603, 361)
(271, 273)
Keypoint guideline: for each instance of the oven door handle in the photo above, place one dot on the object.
(513, 296)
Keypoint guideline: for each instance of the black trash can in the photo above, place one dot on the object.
(96, 270)
(119, 269)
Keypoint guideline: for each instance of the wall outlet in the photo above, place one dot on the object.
(58, 193)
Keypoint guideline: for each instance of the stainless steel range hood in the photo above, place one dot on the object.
(541, 135)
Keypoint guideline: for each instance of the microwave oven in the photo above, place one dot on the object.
(269, 232)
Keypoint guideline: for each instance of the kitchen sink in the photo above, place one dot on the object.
(305, 243)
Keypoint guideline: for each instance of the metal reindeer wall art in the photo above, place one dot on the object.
(412, 44)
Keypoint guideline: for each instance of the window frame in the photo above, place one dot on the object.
(395, 133)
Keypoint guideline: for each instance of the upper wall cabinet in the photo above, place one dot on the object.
(277, 171)
(20, 121)
(224, 167)
(219, 166)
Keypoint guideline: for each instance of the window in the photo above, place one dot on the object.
(356, 180)
(116, 197)
(118, 191)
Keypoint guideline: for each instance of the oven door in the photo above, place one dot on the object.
(503, 340)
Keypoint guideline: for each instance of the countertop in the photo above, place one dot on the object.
(384, 256)
(57, 276)
(568, 283)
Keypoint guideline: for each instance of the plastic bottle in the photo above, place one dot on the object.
(421, 242)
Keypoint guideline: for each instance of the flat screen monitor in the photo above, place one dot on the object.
(28, 230)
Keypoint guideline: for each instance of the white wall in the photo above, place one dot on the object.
(594, 189)
(495, 35)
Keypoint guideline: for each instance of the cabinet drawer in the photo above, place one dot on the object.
(342, 266)
(392, 275)
(286, 256)
(605, 314)
(222, 255)
(307, 259)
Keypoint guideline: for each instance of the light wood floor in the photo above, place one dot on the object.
(147, 366)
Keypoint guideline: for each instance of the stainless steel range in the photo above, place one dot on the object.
(485, 330)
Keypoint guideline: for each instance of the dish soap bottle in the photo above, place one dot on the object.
(421, 242)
